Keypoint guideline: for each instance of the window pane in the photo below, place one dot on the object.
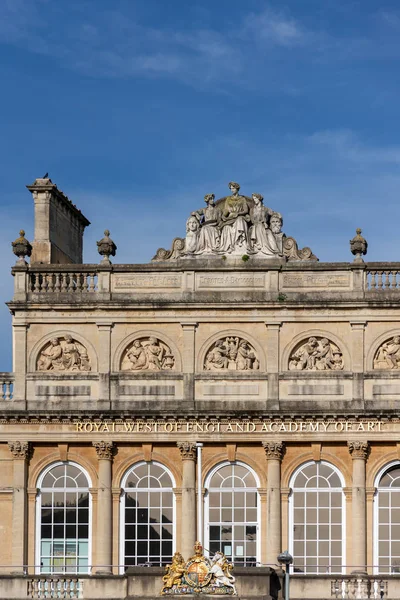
(234, 508)
(150, 493)
(317, 519)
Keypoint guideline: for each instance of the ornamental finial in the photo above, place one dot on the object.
(106, 248)
(21, 248)
(358, 246)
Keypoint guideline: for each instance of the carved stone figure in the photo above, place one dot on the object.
(209, 235)
(63, 354)
(235, 225)
(316, 354)
(192, 234)
(388, 355)
(147, 354)
(51, 357)
(234, 222)
(233, 354)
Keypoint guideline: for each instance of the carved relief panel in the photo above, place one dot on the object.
(316, 354)
(63, 354)
(147, 354)
(231, 354)
(388, 354)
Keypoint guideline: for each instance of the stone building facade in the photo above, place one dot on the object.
(234, 391)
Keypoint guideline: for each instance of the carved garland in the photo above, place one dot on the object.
(316, 354)
(231, 354)
(148, 354)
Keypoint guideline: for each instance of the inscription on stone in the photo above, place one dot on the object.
(316, 280)
(228, 280)
(147, 281)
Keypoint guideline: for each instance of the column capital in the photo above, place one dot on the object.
(273, 324)
(358, 449)
(105, 326)
(358, 324)
(21, 450)
(187, 450)
(274, 450)
(105, 450)
(188, 325)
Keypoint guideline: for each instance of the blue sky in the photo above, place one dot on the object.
(137, 108)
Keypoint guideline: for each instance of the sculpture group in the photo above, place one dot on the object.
(235, 225)
(316, 354)
(199, 575)
(233, 354)
(63, 354)
(148, 354)
(388, 354)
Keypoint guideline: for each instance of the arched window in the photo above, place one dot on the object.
(147, 511)
(63, 520)
(387, 520)
(317, 519)
(232, 513)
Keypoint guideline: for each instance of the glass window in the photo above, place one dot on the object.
(148, 509)
(64, 519)
(231, 507)
(316, 514)
(387, 513)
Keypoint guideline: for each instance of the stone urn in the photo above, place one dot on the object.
(106, 248)
(21, 248)
(358, 246)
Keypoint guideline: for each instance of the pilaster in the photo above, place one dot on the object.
(272, 351)
(19, 363)
(104, 358)
(188, 513)
(357, 354)
(274, 452)
(21, 452)
(105, 453)
(359, 452)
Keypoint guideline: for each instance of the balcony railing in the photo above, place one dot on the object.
(55, 587)
(6, 386)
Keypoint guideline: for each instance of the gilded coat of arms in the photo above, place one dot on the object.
(199, 575)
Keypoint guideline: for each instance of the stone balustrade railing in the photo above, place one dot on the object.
(54, 587)
(359, 587)
(6, 386)
(282, 281)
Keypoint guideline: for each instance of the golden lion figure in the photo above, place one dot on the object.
(174, 572)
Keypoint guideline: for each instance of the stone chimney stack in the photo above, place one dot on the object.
(59, 226)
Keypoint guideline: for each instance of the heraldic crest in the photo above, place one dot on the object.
(199, 575)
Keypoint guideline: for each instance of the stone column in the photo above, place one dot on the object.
(188, 515)
(274, 452)
(359, 453)
(22, 452)
(105, 453)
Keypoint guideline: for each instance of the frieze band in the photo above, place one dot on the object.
(236, 426)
